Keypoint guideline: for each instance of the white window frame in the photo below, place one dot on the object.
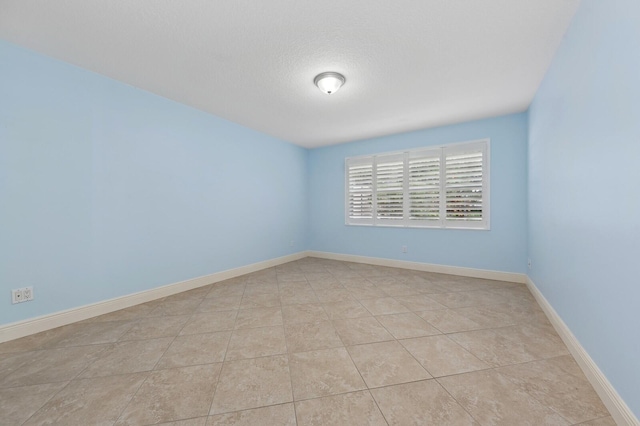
(480, 145)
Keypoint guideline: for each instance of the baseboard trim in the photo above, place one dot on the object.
(619, 410)
(57, 319)
(426, 267)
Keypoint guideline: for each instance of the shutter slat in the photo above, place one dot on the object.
(360, 181)
(389, 188)
(424, 187)
(464, 184)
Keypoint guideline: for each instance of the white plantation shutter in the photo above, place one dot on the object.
(424, 187)
(465, 196)
(389, 188)
(360, 191)
(436, 187)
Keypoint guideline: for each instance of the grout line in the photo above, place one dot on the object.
(47, 401)
(286, 344)
(150, 372)
(224, 359)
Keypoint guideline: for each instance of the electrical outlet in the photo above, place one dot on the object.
(27, 294)
(16, 296)
(404, 249)
(529, 263)
(20, 295)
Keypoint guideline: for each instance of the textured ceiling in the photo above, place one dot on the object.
(409, 64)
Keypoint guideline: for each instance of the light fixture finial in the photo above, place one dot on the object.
(329, 82)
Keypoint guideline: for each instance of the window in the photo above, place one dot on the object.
(436, 187)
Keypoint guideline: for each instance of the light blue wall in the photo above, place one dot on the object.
(107, 190)
(584, 196)
(503, 248)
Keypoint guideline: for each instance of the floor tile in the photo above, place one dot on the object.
(449, 321)
(454, 284)
(294, 297)
(32, 342)
(441, 356)
(176, 307)
(258, 317)
(326, 285)
(303, 313)
(420, 403)
(361, 330)
(252, 383)
(383, 306)
(19, 403)
(345, 309)
(467, 298)
(492, 399)
(294, 276)
(220, 303)
(404, 326)
(252, 290)
(493, 316)
(542, 342)
(256, 342)
(322, 373)
(268, 337)
(196, 421)
(219, 291)
(81, 334)
(333, 295)
(398, 290)
(153, 328)
(605, 421)
(386, 363)
(11, 362)
(353, 409)
(210, 322)
(260, 300)
(366, 292)
(558, 383)
(280, 415)
(52, 365)
(89, 401)
(309, 336)
(195, 349)
(427, 287)
(289, 287)
(128, 357)
(174, 394)
(419, 302)
(492, 347)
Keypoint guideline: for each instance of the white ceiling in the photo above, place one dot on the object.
(409, 64)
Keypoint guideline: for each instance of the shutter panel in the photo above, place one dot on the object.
(360, 191)
(443, 187)
(390, 188)
(464, 185)
(424, 187)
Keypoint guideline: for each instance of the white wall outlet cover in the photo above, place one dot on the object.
(27, 293)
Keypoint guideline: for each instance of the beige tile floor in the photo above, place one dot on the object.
(311, 342)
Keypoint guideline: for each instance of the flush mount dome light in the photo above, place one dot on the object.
(329, 82)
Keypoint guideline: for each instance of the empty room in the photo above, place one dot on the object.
(319, 213)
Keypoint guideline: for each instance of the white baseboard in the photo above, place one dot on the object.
(426, 267)
(57, 319)
(619, 410)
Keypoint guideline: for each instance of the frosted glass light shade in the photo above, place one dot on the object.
(329, 82)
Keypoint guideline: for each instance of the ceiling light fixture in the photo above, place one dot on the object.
(329, 82)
